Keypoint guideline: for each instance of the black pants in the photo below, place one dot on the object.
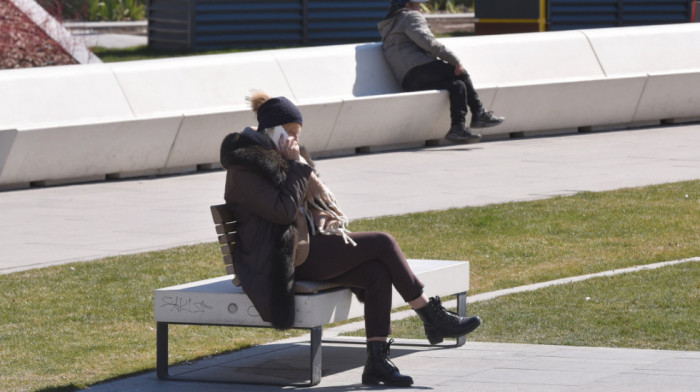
(439, 75)
(374, 264)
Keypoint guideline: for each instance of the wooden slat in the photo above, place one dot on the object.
(221, 213)
(225, 224)
(226, 249)
(227, 239)
(229, 227)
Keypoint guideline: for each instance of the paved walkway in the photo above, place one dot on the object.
(113, 35)
(55, 225)
(47, 226)
(474, 367)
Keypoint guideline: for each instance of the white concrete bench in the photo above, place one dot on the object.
(218, 301)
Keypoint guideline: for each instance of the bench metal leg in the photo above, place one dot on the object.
(162, 351)
(316, 355)
(462, 311)
(162, 359)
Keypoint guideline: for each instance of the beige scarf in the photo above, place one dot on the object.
(321, 199)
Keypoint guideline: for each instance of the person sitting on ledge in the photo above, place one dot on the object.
(420, 62)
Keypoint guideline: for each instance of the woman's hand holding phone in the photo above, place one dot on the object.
(276, 135)
(288, 146)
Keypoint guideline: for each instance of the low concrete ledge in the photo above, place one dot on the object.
(212, 83)
(337, 72)
(160, 116)
(670, 97)
(377, 121)
(88, 152)
(528, 58)
(567, 105)
(48, 97)
(7, 140)
(198, 139)
(646, 50)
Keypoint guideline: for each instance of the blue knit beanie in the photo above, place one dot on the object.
(277, 111)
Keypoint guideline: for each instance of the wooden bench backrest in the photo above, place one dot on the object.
(225, 224)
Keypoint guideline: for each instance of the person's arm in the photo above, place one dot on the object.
(262, 198)
(419, 32)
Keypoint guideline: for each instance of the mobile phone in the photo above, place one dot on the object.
(276, 133)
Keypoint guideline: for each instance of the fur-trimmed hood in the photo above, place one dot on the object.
(255, 151)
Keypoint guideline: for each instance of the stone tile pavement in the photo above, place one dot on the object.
(492, 367)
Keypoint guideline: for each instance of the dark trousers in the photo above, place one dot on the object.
(374, 264)
(439, 75)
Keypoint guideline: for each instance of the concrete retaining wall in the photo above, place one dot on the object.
(78, 122)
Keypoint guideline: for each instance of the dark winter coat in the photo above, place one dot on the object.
(264, 192)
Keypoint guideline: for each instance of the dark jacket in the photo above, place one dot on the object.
(264, 192)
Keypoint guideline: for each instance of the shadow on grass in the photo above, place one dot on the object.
(65, 388)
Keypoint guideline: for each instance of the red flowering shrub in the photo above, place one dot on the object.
(23, 44)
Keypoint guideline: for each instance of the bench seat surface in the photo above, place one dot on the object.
(217, 301)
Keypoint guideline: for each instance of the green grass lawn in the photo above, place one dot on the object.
(518, 243)
(657, 309)
(71, 326)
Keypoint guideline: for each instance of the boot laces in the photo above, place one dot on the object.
(387, 351)
(445, 314)
(485, 115)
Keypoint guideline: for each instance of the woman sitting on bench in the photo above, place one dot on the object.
(290, 227)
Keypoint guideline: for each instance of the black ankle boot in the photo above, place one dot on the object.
(460, 134)
(484, 119)
(440, 323)
(380, 369)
